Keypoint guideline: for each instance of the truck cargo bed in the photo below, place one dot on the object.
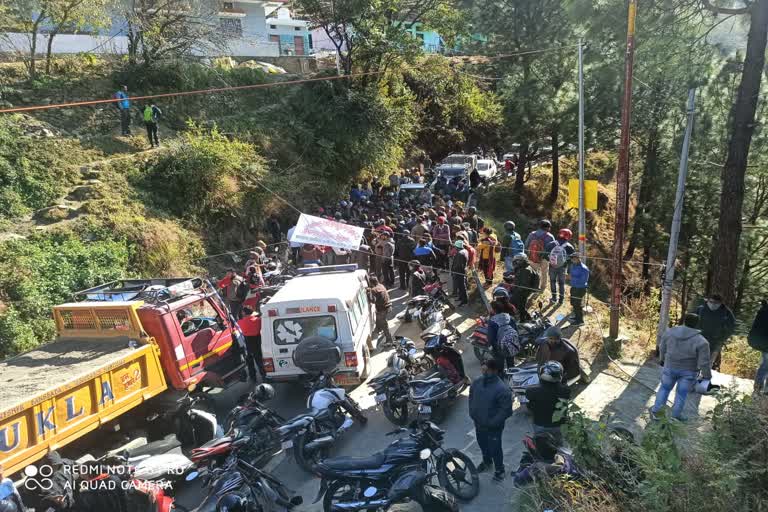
(32, 373)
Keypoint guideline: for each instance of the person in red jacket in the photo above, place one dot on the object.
(250, 325)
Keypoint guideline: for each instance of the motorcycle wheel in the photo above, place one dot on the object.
(354, 409)
(451, 306)
(457, 474)
(306, 461)
(434, 499)
(398, 415)
(338, 491)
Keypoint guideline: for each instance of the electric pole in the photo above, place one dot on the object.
(582, 214)
(677, 220)
(622, 175)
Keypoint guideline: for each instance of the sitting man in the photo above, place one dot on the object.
(557, 349)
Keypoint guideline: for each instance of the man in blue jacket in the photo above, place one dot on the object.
(490, 404)
(578, 274)
(124, 107)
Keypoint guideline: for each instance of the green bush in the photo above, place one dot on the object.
(37, 273)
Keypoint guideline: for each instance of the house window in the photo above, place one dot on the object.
(297, 29)
(273, 27)
(229, 5)
(231, 26)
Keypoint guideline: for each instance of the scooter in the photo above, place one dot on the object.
(195, 423)
(424, 307)
(434, 392)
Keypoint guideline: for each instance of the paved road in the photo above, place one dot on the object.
(364, 440)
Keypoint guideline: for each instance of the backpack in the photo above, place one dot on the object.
(557, 256)
(509, 340)
(536, 250)
(148, 114)
(516, 244)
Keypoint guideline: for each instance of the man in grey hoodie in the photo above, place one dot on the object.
(684, 352)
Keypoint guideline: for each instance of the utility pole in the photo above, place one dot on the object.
(677, 220)
(622, 175)
(582, 214)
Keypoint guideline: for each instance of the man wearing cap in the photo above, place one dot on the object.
(458, 272)
(684, 352)
(717, 324)
(578, 276)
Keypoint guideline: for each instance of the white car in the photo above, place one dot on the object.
(487, 168)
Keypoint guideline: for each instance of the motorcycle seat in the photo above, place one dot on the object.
(218, 442)
(348, 463)
(419, 382)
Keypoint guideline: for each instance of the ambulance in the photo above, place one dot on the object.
(330, 302)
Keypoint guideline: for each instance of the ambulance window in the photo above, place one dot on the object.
(358, 311)
(362, 301)
(290, 331)
(354, 317)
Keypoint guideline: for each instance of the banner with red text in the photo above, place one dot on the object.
(319, 231)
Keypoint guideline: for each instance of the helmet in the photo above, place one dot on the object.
(441, 220)
(509, 277)
(232, 502)
(271, 266)
(509, 226)
(264, 392)
(500, 293)
(565, 234)
(435, 343)
(337, 215)
(344, 204)
(545, 224)
(520, 259)
(551, 371)
(471, 210)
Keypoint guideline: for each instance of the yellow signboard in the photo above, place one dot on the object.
(590, 194)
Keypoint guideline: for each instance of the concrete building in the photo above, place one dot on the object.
(291, 35)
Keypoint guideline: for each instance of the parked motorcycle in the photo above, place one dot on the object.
(194, 421)
(240, 484)
(529, 333)
(433, 392)
(391, 394)
(407, 357)
(404, 470)
(331, 412)
(424, 308)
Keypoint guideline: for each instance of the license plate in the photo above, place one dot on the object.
(287, 444)
(425, 409)
(381, 397)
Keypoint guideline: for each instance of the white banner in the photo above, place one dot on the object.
(319, 231)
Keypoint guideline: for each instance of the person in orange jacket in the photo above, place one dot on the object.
(488, 246)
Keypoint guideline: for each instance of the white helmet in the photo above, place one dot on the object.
(520, 258)
(263, 392)
(551, 371)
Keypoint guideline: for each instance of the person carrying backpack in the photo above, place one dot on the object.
(578, 275)
(511, 245)
(558, 264)
(538, 244)
(487, 248)
(502, 335)
(124, 107)
(152, 114)
(758, 340)
(235, 291)
(526, 281)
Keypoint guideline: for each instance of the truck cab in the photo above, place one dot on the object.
(199, 343)
(329, 302)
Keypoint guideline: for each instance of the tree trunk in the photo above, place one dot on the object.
(33, 45)
(742, 285)
(49, 51)
(726, 249)
(522, 159)
(647, 269)
(646, 190)
(555, 191)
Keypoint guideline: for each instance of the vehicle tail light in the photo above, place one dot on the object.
(332, 308)
(272, 312)
(350, 359)
(269, 365)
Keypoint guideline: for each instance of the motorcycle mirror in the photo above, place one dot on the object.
(191, 476)
(425, 454)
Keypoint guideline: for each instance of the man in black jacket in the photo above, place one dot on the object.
(490, 404)
(418, 278)
(543, 399)
(404, 247)
(459, 272)
(716, 323)
(379, 295)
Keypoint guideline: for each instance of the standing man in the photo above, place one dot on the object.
(578, 275)
(418, 278)
(543, 399)
(758, 339)
(526, 283)
(558, 264)
(394, 182)
(235, 290)
(295, 246)
(385, 250)
(380, 298)
(441, 234)
(490, 404)
(684, 353)
(152, 114)
(717, 324)
(511, 245)
(124, 107)
(459, 272)
(250, 325)
(273, 226)
(538, 244)
(404, 250)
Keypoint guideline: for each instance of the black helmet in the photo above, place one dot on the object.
(509, 277)
(545, 224)
(471, 210)
(509, 226)
(232, 502)
(264, 392)
(500, 293)
(551, 371)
